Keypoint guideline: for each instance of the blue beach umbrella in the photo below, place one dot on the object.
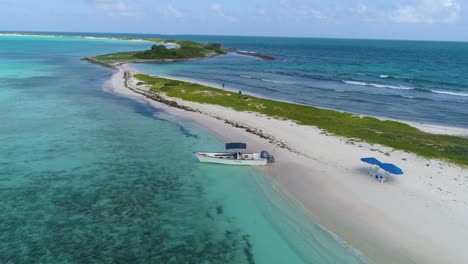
(391, 168)
(372, 161)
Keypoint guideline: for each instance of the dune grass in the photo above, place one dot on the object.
(388, 133)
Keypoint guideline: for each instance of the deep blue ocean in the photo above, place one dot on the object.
(90, 177)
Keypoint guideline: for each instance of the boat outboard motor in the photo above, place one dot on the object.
(265, 155)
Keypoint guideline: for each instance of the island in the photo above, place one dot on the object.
(317, 153)
(417, 217)
(162, 51)
(169, 51)
(356, 128)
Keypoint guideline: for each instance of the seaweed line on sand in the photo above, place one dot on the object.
(161, 99)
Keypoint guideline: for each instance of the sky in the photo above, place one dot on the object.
(374, 19)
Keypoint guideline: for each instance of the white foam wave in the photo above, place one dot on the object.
(246, 76)
(246, 51)
(26, 35)
(355, 83)
(97, 38)
(379, 85)
(275, 81)
(391, 86)
(383, 76)
(450, 93)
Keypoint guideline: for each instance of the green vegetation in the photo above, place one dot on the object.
(121, 56)
(388, 133)
(184, 50)
(158, 40)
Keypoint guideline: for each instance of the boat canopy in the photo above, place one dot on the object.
(236, 146)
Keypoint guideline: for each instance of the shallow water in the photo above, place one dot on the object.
(87, 176)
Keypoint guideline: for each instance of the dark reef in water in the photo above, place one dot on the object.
(248, 249)
(117, 211)
(252, 54)
(91, 60)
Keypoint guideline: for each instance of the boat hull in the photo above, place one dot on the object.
(204, 157)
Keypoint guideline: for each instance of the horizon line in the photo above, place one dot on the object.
(228, 35)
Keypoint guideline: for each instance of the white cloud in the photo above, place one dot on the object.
(261, 12)
(218, 11)
(368, 12)
(172, 11)
(400, 11)
(360, 9)
(114, 7)
(427, 12)
(303, 9)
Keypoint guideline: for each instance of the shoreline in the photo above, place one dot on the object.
(417, 218)
(426, 127)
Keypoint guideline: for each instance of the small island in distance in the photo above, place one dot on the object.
(178, 50)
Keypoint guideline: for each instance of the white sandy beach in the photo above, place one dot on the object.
(420, 217)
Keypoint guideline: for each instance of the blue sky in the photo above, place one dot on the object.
(397, 19)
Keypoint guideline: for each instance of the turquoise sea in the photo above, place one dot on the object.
(90, 177)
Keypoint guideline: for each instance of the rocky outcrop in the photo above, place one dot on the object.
(252, 54)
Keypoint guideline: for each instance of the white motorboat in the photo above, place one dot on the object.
(237, 157)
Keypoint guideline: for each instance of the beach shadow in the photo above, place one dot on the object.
(364, 170)
(151, 112)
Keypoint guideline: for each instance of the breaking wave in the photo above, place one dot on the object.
(378, 85)
(450, 93)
